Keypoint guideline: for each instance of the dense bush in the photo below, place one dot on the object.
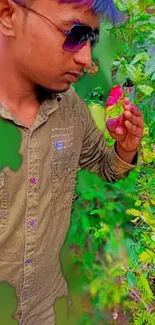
(111, 241)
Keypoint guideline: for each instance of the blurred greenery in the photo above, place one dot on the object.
(9, 149)
(8, 304)
(109, 255)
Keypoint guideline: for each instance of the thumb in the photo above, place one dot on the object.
(115, 124)
(116, 129)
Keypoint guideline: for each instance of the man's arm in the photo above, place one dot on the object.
(128, 157)
(111, 164)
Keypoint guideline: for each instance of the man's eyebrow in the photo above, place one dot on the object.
(73, 21)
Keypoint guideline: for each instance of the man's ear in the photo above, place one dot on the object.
(7, 14)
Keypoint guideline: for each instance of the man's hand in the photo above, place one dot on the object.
(127, 130)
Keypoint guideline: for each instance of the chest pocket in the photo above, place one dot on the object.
(64, 171)
(3, 202)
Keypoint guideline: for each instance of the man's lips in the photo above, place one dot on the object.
(76, 74)
(72, 76)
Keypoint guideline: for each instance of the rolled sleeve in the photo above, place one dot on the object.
(97, 158)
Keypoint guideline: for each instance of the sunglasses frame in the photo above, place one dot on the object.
(92, 35)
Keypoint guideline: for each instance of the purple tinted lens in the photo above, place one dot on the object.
(71, 44)
(77, 38)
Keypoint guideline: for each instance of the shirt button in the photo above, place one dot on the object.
(29, 261)
(32, 223)
(33, 180)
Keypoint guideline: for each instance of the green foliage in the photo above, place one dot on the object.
(107, 49)
(8, 304)
(136, 60)
(9, 149)
(111, 241)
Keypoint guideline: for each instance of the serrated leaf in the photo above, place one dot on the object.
(144, 286)
(146, 257)
(134, 212)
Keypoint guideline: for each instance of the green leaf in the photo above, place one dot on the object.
(131, 279)
(140, 57)
(147, 90)
(150, 66)
(96, 211)
(95, 286)
(153, 76)
(144, 286)
(152, 34)
(85, 222)
(8, 303)
(98, 115)
(146, 257)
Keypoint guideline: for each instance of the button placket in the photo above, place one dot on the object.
(31, 221)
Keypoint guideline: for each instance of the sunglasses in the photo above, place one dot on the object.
(78, 35)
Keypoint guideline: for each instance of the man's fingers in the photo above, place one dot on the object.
(113, 123)
(118, 137)
(133, 109)
(134, 129)
(132, 118)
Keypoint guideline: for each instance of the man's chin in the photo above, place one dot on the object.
(44, 92)
(61, 89)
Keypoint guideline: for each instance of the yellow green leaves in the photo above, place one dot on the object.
(147, 257)
(134, 73)
(144, 286)
(95, 286)
(146, 90)
(140, 57)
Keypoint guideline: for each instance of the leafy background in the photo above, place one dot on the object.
(109, 255)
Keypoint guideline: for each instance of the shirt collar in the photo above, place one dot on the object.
(50, 103)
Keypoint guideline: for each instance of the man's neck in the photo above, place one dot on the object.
(21, 99)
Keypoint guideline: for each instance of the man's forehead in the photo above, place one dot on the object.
(70, 13)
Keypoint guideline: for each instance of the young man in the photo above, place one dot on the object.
(45, 46)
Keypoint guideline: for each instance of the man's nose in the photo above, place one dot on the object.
(84, 56)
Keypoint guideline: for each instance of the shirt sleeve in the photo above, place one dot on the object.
(96, 157)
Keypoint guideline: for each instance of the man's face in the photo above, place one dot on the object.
(38, 45)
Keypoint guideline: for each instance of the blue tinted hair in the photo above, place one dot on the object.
(103, 7)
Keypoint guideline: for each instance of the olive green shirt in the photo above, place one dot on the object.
(36, 201)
